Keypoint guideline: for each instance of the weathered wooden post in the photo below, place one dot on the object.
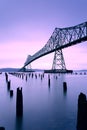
(19, 103)
(36, 76)
(49, 80)
(22, 76)
(32, 75)
(64, 86)
(11, 93)
(82, 112)
(6, 76)
(41, 77)
(26, 77)
(2, 128)
(9, 85)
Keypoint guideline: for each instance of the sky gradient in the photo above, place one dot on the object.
(26, 26)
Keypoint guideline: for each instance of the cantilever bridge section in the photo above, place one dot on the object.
(60, 39)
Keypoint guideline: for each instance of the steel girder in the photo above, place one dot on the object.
(61, 38)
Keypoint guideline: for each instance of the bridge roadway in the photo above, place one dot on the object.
(61, 38)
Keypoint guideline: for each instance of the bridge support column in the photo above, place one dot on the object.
(58, 61)
(28, 66)
(23, 69)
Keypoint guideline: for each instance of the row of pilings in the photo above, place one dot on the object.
(25, 77)
(79, 73)
(1, 127)
(8, 85)
(19, 97)
(19, 94)
(82, 102)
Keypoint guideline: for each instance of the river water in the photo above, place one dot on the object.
(44, 107)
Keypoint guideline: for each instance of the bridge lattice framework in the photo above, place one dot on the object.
(60, 38)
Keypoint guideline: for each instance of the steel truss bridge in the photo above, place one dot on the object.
(60, 39)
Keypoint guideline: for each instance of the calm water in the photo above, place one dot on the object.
(44, 107)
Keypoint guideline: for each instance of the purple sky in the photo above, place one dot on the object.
(26, 26)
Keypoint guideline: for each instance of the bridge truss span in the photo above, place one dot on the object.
(61, 38)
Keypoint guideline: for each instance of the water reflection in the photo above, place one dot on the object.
(44, 107)
(49, 88)
(19, 123)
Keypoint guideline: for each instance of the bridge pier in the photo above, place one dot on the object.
(58, 61)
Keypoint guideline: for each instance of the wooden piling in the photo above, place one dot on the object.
(19, 103)
(49, 80)
(26, 77)
(6, 76)
(11, 93)
(82, 112)
(2, 128)
(8, 84)
(64, 86)
(41, 77)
